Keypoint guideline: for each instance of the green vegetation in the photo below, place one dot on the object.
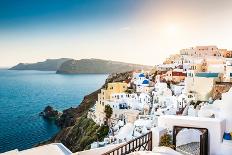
(130, 91)
(80, 136)
(166, 140)
(108, 111)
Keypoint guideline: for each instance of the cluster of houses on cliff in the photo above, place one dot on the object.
(188, 98)
(187, 86)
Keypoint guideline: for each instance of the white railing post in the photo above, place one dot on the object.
(157, 132)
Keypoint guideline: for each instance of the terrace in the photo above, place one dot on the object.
(204, 135)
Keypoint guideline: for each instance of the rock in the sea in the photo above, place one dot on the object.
(49, 113)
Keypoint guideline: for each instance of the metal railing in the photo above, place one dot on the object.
(142, 143)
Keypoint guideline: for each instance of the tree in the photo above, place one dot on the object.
(108, 111)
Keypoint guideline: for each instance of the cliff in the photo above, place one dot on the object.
(78, 132)
(80, 136)
(98, 66)
(47, 65)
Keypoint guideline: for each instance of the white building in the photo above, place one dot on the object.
(201, 84)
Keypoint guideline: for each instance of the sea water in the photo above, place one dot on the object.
(24, 94)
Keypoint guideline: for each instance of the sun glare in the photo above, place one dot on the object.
(172, 30)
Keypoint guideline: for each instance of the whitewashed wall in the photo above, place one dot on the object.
(216, 128)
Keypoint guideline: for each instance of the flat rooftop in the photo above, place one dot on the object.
(50, 149)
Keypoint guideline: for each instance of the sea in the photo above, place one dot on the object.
(24, 94)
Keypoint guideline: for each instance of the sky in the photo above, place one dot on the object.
(136, 31)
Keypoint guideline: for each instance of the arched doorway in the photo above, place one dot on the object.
(190, 140)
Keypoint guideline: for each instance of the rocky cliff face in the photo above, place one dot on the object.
(97, 66)
(69, 116)
(78, 132)
(79, 136)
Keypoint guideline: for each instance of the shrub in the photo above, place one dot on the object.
(86, 140)
(166, 140)
(103, 132)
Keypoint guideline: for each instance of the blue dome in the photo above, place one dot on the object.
(145, 82)
(141, 75)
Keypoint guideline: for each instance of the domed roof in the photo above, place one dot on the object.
(141, 75)
(145, 82)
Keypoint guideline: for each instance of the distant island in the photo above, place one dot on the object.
(83, 66)
(47, 65)
(98, 66)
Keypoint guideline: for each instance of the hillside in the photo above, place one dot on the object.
(47, 65)
(98, 66)
(78, 132)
